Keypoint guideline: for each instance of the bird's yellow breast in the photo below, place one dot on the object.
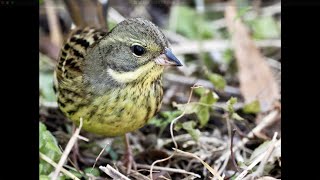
(121, 110)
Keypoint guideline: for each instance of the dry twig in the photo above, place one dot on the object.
(50, 161)
(172, 136)
(55, 32)
(265, 122)
(67, 150)
(113, 173)
(182, 171)
(263, 157)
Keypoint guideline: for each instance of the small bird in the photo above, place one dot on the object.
(112, 80)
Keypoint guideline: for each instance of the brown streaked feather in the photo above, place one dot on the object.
(74, 50)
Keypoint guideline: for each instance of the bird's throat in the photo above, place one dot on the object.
(146, 73)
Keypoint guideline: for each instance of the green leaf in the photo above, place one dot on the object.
(189, 108)
(177, 126)
(253, 107)
(168, 116)
(189, 126)
(203, 115)
(209, 97)
(44, 177)
(265, 28)
(94, 171)
(199, 91)
(217, 80)
(47, 145)
(46, 87)
(242, 11)
(182, 20)
(228, 56)
(230, 104)
(236, 116)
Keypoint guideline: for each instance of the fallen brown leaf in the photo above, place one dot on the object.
(256, 79)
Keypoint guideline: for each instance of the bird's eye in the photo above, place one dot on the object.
(137, 50)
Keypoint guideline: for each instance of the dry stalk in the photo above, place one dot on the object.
(263, 157)
(113, 173)
(172, 136)
(182, 171)
(212, 170)
(67, 150)
(265, 122)
(55, 32)
(50, 161)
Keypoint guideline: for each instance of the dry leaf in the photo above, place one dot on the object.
(256, 79)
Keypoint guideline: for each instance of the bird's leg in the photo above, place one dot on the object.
(128, 159)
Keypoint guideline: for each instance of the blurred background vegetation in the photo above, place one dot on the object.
(232, 49)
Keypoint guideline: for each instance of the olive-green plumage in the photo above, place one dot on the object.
(112, 80)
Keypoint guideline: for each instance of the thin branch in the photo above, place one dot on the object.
(212, 170)
(94, 165)
(270, 119)
(50, 161)
(67, 150)
(55, 31)
(261, 157)
(195, 47)
(172, 136)
(182, 171)
(113, 173)
(232, 153)
(115, 15)
(189, 80)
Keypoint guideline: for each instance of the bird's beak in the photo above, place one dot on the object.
(168, 59)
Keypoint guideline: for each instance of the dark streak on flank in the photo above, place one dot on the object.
(77, 53)
(61, 103)
(69, 61)
(66, 47)
(82, 42)
(71, 112)
(74, 93)
(64, 54)
(92, 112)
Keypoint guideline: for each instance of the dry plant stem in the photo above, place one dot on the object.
(94, 165)
(113, 173)
(48, 160)
(186, 137)
(74, 11)
(182, 171)
(260, 158)
(67, 150)
(213, 171)
(266, 121)
(225, 163)
(188, 81)
(134, 174)
(232, 153)
(55, 32)
(172, 136)
(83, 138)
(263, 163)
(115, 15)
(195, 47)
(102, 6)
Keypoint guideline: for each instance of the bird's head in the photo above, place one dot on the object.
(133, 49)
